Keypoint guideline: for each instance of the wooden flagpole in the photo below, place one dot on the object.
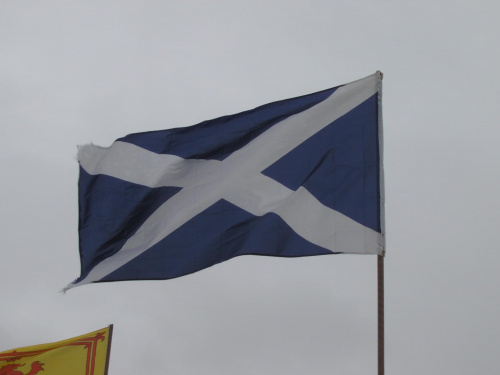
(380, 313)
(108, 352)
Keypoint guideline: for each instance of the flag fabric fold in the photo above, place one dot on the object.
(83, 355)
(298, 177)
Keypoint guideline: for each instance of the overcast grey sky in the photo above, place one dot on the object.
(73, 72)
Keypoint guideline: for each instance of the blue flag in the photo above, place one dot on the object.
(298, 177)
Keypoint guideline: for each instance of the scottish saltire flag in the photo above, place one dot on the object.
(293, 178)
(83, 355)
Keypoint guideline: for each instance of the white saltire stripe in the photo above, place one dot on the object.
(238, 180)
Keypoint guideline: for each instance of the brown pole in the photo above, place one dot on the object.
(108, 352)
(380, 293)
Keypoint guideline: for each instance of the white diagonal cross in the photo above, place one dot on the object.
(238, 180)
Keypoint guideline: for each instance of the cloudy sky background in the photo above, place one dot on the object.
(73, 72)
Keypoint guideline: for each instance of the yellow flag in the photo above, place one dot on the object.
(82, 355)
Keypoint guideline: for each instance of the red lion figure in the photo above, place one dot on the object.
(11, 369)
